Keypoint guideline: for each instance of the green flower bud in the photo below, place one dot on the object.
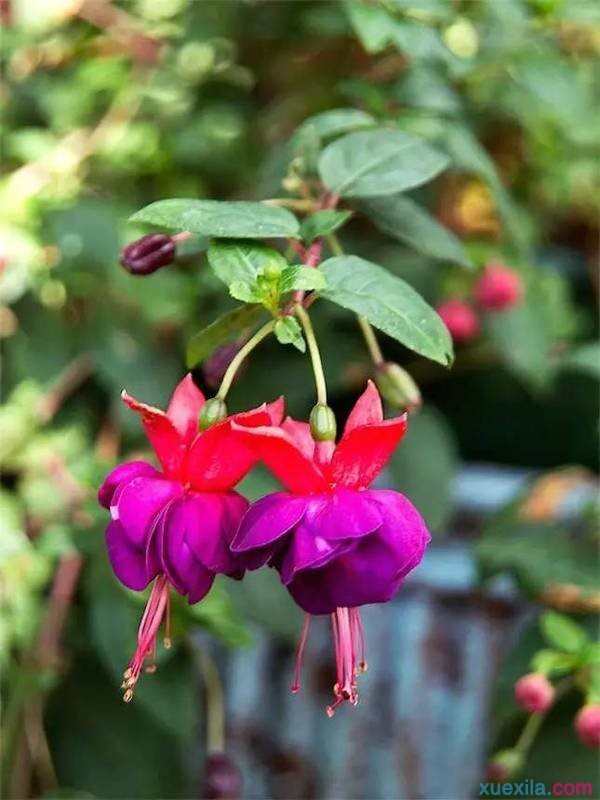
(504, 765)
(322, 423)
(213, 411)
(397, 386)
(272, 270)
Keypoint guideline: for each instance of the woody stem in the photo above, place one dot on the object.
(239, 357)
(315, 355)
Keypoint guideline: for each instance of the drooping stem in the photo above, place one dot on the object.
(535, 721)
(315, 355)
(239, 357)
(365, 325)
(371, 340)
(215, 707)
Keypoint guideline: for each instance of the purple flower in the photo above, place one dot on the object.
(174, 526)
(336, 543)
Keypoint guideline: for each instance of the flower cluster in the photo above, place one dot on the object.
(497, 289)
(337, 543)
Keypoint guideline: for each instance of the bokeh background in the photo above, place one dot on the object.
(108, 106)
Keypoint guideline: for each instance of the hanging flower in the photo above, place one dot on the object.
(336, 543)
(173, 525)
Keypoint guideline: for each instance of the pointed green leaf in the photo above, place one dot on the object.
(223, 219)
(288, 331)
(225, 328)
(378, 162)
(322, 223)
(242, 262)
(337, 121)
(305, 279)
(562, 632)
(389, 303)
(403, 219)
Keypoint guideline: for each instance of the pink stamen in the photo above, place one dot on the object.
(157, 607)
(300, 653)
(349, 646)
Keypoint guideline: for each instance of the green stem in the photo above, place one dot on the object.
(315, 355)
(535, 721)
(236, 361)
(214, 699)
(371, 340)
(365, 325)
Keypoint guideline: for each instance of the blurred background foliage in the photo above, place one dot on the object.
(108, 106)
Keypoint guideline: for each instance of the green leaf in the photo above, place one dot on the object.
(378, 162)
(240, 262)
(583, 359)
(337, 121)
(552, 662)
(539, 555)
(244, 292)
(288, 331)
(415, 471)
(372, 24)
(226, 219)
(403, 219)
(521, 336)
(389, 303)
(306, 279)
(225, 328)
(322, 223)
(562, 632)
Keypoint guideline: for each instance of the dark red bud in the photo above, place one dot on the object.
(148, 254)
(222, 779)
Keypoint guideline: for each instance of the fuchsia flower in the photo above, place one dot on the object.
(460, 319)
(175, 524)
(534, 693)
(336, 543)
(587, 725)
(499, 288)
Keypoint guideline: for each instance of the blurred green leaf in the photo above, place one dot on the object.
(389, 304)
(552, 662)
(415, 471)
(337, 121)
(562, 632)
(406, 221)
(379, 162)
(583, 359)
(229, 326)
(226, 219)
(322, 223)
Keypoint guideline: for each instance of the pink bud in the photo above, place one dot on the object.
(498, 288)
(587, 725)
(460, 319)
(504, 765)
(534, 693)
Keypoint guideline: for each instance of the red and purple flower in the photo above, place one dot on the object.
(336, 543)
(175, 524)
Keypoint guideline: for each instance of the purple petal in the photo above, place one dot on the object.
(346, 514)
(128, 562)
(136, 505)
(372, 571)
(184, 571)
(267, 520)
(210, 524)
(123, 474)
(308, 550)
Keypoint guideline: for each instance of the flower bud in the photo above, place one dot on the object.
(272, 269)
(148, 254)
(499, 288)
(213, 411)
(322, 423)
(222, 778)
(534, 693)
(587, 725)
(504, 765)
(397, 386)
(460, 319)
